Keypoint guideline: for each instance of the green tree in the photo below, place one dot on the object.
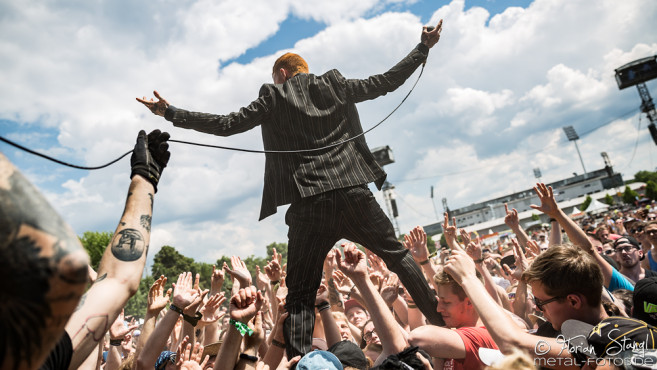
(645, 176)
(443, 241)
(609, 200)
(136, 305)
(651, 190)
(95, 242)
(170, 263)
(535, 217)
(586, 203)
(281, 248)
(629, 195)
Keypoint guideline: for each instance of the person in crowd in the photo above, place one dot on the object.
(629, 255)
(327, 188)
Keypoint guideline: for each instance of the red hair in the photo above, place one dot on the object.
(293, 63)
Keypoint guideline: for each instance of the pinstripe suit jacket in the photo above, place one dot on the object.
(305, 112)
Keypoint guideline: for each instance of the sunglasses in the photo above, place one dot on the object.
(626, 249)
(539, 304)
(651, 232)
(368, 334)
(637, 230)
(609, 251)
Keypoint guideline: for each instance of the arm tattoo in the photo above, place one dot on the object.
(145, 221)
(27, 316)
(128, 245)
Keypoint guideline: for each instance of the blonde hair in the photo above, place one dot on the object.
(516, 360)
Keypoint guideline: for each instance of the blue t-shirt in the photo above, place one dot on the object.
(653, 264)
(618, 281)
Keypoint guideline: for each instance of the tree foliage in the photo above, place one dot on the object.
(645, 176)
(651, 189)
(629, 195)
(586, 204)
(609, 200)
(95, 242)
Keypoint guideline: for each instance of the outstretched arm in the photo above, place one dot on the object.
(576, 235)
(123, 262)
(41, 252)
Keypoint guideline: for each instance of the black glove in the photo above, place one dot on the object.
(150, 156)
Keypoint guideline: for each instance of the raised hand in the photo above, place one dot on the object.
(511, 219)
(157, 300)
(183, 292)
(343, 283)
(210, 310)
(390, 289)
(322, 294)
(150, 156)
(157, 107)
(474, 250)
(239, 271)
(450, 232)
(465, 236)
(262, 280)
(416, 243)
(245, 303)
(460, 266)
(548, 203)
(119, 330)
(188, 358)
(430, 38)
(216, 280)
(354, 263)
(273, 270)
(258, 336)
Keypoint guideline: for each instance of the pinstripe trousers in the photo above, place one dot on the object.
(315, 224)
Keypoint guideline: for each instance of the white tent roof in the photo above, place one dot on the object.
(596, 206)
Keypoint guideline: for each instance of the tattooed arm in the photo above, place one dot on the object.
(123, 262)
(44, 267)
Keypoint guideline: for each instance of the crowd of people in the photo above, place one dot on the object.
(517, 302)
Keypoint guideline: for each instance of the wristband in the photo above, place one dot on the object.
(424, 262)
(175, 309)
(115, 342)
(273, 282)
(412, 306)
(323, 306)
(193, 320)
(479, 260)
(277, 343)
(244, 356)
(241, 327)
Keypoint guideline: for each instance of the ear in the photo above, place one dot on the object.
(575, 301)
(284, 73)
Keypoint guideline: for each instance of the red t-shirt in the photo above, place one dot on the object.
(473, 338)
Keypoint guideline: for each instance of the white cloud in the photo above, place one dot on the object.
(490, 105)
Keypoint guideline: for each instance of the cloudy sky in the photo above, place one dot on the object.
(506, 76)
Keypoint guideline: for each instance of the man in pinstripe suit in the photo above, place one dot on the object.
(327, 188)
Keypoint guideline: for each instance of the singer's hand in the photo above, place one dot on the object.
(431, 36)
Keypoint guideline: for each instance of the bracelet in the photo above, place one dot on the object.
(479, 260)
(241, 327)
(323, 306)
(424, 262)
(273, 282)
(412, 306)
(277, 343)
(244, 356)
(193, 320)
(351, 291)
(176, 309)
(115, 342)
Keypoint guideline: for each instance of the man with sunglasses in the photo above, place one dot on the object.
(629, 255)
